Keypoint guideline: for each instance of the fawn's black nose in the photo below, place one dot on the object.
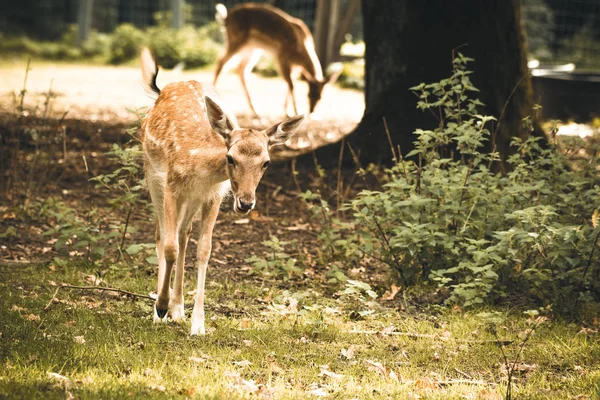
(245, 206)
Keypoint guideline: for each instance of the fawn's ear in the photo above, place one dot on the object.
(281, 132)
(217, 119)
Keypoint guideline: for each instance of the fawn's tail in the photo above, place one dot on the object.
(149, 71)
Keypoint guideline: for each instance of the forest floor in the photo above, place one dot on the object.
(272, 332)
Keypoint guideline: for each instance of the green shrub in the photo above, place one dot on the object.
(165, 45)
(187, 45)
(353, 75)
(125, 43)
(97, 44)
(198, 49)
(445, 217)
(266, 67)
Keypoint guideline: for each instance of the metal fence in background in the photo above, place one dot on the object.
(559, 31)
(564, 31)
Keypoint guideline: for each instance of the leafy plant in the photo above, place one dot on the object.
(445, 216)
(125, 43)
(126, 184)
(189, 45)
(75, 235)
(276, 261)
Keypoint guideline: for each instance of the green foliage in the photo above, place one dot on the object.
(266, 67)
(277, 261)
(189, 45)
(446, 217)
(75, 235)
(125, 43)
(331, 231)
(353, 75)
(126, 183)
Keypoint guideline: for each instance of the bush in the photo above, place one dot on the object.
(445, 217)
(353, 75)
(188, 45)
(125, 43)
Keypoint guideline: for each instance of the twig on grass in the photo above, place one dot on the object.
(51, 299)
(428, 336)
(108, 289)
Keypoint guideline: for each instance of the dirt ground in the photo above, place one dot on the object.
(96, 101)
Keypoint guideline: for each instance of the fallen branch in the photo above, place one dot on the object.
(465, 382)
(108, 289)
(431, 336)
(52, 299)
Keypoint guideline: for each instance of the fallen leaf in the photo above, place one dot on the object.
(317, 392)
(426, 384)
(250, 385)
(276, 368)
(60, 378)
(159, 388)
(79, 339)
(519, 367)
(17, 308)
(256, 216)
(389, 295)
(242, 221)
(298, 227)
(377, 367)
(32, 317)
(326, 372)
(243, 363)
(348, 353)
(199, 360)
(188, 392)
(248, 343)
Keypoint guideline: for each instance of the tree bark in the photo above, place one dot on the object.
(409, 42)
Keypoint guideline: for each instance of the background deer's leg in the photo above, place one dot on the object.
(232, 49)
(286, 73)
(247, 63)
(176, 301)
(173, 216)
(209, 216)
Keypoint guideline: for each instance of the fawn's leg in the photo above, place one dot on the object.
(208, 218)
(176, 301)
(156, 189)
(173, 216)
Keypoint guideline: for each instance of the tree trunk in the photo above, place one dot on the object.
(409, 42)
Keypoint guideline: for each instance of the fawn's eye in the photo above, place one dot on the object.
(229, 159)
(266, 164)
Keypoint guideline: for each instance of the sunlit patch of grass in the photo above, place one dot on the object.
(90, 344)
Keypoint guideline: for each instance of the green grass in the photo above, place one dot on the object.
(106, 346)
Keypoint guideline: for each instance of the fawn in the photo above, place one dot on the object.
(252, 28)
(194, 154)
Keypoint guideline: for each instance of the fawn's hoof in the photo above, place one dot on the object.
(177, 313)
(160, 313)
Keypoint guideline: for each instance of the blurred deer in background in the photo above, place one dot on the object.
(194, 154)
(252, 28)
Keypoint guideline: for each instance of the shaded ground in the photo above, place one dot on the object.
(103, 93)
